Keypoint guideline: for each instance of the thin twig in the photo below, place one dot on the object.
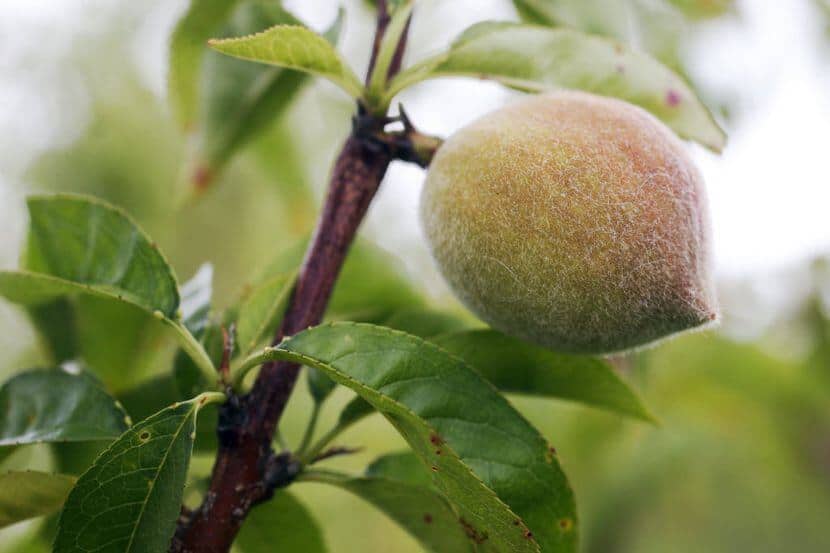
(309, 429)
(318, 446)
(335, 452)
(380, 29)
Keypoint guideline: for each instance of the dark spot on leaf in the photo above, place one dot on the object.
(551, 453)
(516, 523)
(438, 452)
(428, 518)
(566, 524)
(472, 533)
(434, 468)
(672, 98)
(529, 535)
(144, 436)
(201, 178)
(435, 439)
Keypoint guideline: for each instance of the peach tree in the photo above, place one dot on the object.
(573, 223)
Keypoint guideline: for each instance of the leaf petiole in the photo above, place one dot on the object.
(306, 457)
(309, 429)
(193, 348)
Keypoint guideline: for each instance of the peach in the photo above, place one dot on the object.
(574, 221)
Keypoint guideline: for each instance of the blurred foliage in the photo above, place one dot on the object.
(131, 154)
(655, 26)
(741, 461)
(231, 101)
(663, 28)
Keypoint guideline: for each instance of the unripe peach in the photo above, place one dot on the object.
(574, 221)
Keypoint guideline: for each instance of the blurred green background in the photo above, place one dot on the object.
(741, 458)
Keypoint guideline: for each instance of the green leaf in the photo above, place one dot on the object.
(91, 244)
(536, 59)
(242, 99)
(281, 524)
(493, 466)
(518, 367)
(187, 48)
(320, 386)
(75, 457)
(511, 365)
(593, 16)
(6, 452)
(82, 245)
(150, 396)
(55, 322)
(155, 394)
(656, 27)
(354, 411)
(130, 498)
(119, 342)
(261, 311)
(54, 405)
(31, 289)
(420, 510)
(403, 466)
(30, 494)
(438, 527)
(294, 47)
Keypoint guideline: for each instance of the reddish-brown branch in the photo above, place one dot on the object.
(247, 470)
(240, 476)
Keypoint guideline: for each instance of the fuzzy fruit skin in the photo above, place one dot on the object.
(573, 221)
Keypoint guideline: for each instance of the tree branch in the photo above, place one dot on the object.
(247, 424)
(246, 469)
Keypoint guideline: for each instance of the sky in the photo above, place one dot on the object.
(769, 190)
